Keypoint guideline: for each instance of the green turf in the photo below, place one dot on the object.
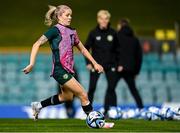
(74, 125)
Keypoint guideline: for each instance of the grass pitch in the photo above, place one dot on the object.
(74, 125)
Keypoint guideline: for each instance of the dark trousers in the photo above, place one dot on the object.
(110, 96)
(130, 80)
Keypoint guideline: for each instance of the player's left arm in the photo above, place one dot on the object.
(86, 53)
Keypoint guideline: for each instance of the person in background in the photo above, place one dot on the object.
(102, 41)
(130, 61)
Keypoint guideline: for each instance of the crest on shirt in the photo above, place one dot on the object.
(113, 69)
(110, 38)
(98, 38)
(65, 76)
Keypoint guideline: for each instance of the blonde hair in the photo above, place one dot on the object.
(53, 13)
(103, 12)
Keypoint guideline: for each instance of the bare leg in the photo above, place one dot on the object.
(65, 95)
(75, 87)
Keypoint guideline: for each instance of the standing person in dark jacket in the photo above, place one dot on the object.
(130, 58)
(103, 44)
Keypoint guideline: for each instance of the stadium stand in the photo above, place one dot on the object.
(159, 80)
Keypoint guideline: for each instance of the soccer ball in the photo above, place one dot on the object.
(167, 113)
(115, 113)
(150, 114)
(95, 119)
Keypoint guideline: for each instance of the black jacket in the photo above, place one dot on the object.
(103, 45)
(130, 51)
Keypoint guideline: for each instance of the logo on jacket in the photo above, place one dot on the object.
(110, 38)
(98, 38)
(113, 69)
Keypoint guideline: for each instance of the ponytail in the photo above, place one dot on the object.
(53, 12)
(50, 15)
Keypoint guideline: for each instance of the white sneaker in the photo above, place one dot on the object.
(36, 107)
(108, 125)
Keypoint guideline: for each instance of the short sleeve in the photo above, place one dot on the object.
(51, 33)
(76, 38)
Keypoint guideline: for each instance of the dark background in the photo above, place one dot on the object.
(22, 21)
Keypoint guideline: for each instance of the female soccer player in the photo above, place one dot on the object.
(62, 38)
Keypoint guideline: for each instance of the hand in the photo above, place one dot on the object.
(120, 68)
(98, 68)
(89, 67)
(28, 69)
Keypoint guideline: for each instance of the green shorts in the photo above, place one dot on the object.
(61, 75)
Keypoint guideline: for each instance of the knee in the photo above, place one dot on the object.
(70, 98)
(111, 87)
(84, 96)
(65, 97)
(110, 90)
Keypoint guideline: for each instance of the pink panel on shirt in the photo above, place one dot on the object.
(69, 39)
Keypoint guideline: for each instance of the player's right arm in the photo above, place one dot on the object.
(43, 39)
(88, 46)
